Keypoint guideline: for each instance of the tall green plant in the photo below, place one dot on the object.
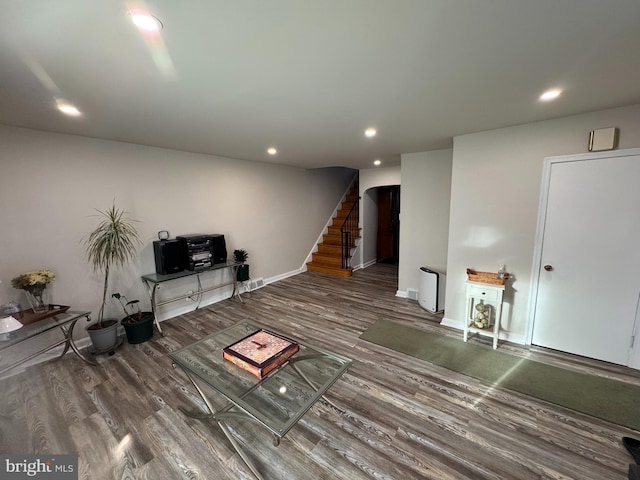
(112, 243)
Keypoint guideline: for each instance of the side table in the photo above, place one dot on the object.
(490, 295)
(34, 325)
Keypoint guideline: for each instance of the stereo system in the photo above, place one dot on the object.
(193, 252)
(198, 251)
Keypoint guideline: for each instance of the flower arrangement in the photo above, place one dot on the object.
(35, 284)
(30, 280)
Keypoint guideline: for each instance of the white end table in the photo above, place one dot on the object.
(489, 295)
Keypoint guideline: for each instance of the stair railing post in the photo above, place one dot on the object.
(345, 249)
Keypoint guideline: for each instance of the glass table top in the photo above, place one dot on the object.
(277, 401)
(29, 330)
(159, 278)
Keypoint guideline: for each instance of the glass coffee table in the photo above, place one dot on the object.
(278, 401)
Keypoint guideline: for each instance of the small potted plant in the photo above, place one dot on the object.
(113, 243)
(138, 325)
(240, 256)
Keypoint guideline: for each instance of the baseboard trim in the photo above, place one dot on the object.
(369, 263)
(449, 322)
(282, 276)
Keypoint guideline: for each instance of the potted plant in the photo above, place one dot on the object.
(113, 243)
(138, 325)
(240, 256)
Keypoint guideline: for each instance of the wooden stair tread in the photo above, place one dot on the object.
(337, 272)
(336, 240)
(335, 230)
(330, 249)
(330, 260)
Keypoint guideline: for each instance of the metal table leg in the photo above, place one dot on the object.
(292, 361)
(236, 290)
(152, 294)
(220, 416)
(69, 342)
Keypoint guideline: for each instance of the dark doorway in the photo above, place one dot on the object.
(388, 241)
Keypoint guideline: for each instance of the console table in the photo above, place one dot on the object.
(34, 325)
(154, 280)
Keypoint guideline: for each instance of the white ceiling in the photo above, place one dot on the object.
(232, 77)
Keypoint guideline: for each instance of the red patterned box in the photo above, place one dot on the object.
(261, 352)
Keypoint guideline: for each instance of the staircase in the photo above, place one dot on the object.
(332, 257)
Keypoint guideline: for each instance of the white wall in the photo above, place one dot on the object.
(494, 202)
(51, 184)
(424, 221)
(370, 178)
(378, 177)
(369, 226)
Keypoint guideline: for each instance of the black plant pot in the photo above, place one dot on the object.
(243, 272)
(140, 330)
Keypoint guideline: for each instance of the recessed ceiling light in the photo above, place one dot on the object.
(550, 95)
(69, 109)
(377, 162)
(272, 151)
(146, 22)
(370, 132)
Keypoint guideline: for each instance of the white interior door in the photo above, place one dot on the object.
(589, 278)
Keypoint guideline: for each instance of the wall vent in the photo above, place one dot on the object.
(259, 283)
(412, 294)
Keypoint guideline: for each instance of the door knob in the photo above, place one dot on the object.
(548, 268)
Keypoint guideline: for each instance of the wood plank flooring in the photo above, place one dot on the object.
(395, 417)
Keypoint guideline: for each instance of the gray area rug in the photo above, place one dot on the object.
(599, 397)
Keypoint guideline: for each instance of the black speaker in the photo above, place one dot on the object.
(219, 249)
(170, 256)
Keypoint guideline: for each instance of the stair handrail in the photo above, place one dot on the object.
(348, 228)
